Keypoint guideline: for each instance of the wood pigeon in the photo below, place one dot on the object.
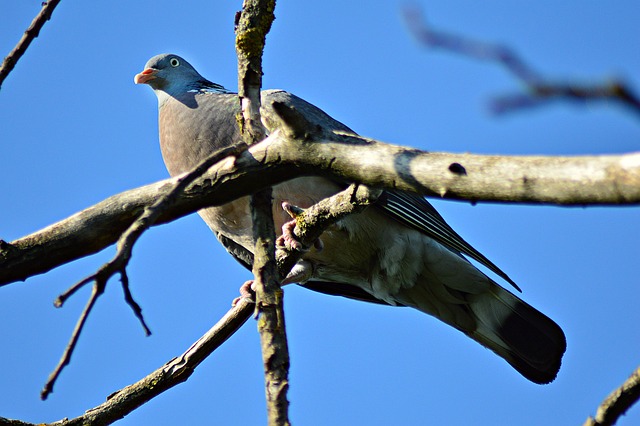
(399, 252)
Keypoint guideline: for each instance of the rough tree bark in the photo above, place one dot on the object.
(252, 27)
(568, 181)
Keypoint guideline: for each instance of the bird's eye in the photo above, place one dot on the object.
(174, 62)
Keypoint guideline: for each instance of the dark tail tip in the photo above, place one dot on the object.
(536, 343)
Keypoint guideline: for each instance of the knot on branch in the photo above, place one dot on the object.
(457, 169)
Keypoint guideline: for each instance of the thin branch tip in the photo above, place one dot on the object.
(128, 297)
(29, 35)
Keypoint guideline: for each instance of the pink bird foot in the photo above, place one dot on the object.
(289, 239)
(246, 292)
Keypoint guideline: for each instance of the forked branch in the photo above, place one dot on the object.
(119, 263)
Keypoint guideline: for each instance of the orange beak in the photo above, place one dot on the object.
(145, 76)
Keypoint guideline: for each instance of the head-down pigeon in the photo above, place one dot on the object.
(399, 252)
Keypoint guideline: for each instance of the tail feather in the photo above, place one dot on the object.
(527, 339)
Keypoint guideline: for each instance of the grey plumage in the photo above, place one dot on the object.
(400, 253)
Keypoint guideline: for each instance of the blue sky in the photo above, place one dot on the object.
(75, 130)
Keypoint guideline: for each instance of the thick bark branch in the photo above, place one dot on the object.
(270, 310)
(578, 181)
(252, 27)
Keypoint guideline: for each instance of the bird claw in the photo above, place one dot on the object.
(247, 291)
(293, 211)
(289, 240)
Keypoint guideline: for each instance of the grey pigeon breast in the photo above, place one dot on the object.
(193, 125)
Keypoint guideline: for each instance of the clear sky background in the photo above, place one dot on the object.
(74, 129)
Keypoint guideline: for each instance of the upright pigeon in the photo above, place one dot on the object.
(399, 252)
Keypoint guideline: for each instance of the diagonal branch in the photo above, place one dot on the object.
(98, 289)
(311, 222)
(618, 402)
(119, 263)
(540, 90)
(29, 35)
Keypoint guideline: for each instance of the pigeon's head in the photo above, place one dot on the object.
(169, 76)
(168, 72)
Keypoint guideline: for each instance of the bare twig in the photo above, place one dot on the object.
(152, 213)
(98, 289)
(100, 279)
(540, 90)
(31, 33)
(118, 265)
(618, 402)
(545, 91)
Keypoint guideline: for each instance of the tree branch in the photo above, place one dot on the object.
(31, 33)
(290, 153)
(270, 310)
(606, 179)
(98, 289)
(618, 402)
(618, 177)
(568, 181)
(540, 90)
(119, 263)
(252, 27)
